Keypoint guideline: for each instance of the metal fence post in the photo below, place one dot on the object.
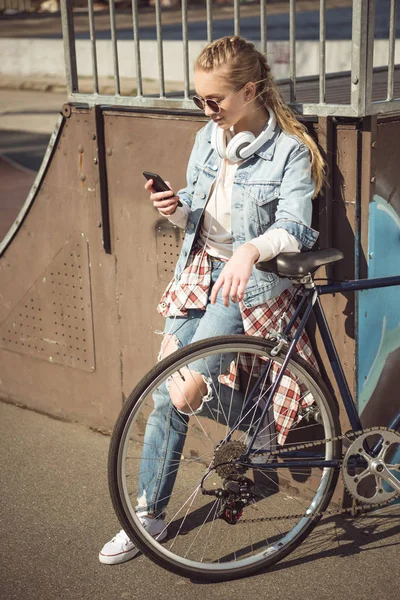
(92, 31)
(392, 50)
(68, 31)
(292, 49)
(362, 56)
(114, 47)
(263, 26)
(135, 22)
(160, 49)
(185, 39)
(236, 17)
(322, 51)
(209, 22)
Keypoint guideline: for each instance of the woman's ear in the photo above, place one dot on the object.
(250, 91)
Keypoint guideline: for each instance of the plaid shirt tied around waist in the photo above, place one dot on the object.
(192, 292)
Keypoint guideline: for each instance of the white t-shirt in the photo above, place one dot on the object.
(215, 231)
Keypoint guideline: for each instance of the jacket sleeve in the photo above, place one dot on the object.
(186, 193)
(294, 208)
(272, 243)
(180, 216)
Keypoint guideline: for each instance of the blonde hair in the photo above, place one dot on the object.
(244, 63)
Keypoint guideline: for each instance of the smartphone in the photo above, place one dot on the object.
(158, 183)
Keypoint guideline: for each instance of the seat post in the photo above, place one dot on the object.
(307, 281)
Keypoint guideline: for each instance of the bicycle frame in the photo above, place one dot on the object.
(311, 303)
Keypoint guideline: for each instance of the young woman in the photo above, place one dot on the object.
(251, 178)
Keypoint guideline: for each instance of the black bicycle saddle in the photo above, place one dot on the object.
(299, 264)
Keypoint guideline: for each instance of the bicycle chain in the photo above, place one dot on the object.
(356, 511)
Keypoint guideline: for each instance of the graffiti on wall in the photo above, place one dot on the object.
(379, 321)
(379, 310)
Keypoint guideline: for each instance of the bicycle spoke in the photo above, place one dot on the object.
(192, 498)
(174, 459)
(199, 531)
(215, 391)
(210, 530)
(232, 392)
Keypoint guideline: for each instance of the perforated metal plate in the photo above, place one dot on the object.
(53, 321)
(169, 240)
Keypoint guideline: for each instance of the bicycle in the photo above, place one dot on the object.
(294, 472)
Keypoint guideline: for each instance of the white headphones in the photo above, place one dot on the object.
(242, 145)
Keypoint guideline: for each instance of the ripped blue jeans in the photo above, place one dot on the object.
(166, 427)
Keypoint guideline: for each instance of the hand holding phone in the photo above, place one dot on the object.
(158, 183)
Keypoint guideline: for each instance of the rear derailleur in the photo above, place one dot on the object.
(236, 493)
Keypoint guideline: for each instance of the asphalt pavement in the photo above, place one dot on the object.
(27, 119)
(56, 514)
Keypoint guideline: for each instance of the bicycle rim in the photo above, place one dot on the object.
(287, 502)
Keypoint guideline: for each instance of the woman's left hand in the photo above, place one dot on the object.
(235, 275)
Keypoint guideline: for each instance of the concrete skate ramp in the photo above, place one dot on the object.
(77, 324)
(84, 265)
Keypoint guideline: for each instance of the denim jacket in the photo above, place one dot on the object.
(271, 189)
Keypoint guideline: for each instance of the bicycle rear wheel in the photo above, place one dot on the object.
(286, 503)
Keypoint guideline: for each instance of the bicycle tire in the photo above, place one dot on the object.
(212, 569)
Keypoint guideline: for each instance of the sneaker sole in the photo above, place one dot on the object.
(116, 559)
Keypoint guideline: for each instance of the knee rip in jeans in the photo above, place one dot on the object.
(169, 344)
(182, 404)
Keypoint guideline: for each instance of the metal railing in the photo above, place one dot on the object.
(362, 54)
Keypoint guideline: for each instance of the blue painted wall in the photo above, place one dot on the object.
(379, 310)
(379, 320)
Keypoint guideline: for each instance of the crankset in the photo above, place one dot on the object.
(369, 470)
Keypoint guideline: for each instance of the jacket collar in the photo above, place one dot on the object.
(267, 150)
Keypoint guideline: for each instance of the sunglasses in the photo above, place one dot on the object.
(214, 105)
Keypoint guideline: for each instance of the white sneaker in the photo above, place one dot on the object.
(121, 549)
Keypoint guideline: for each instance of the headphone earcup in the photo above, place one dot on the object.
(237, 144)
(218, 141)
(243, 144)
(246, 150)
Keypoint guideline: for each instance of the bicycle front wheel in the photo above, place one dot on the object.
(284, 503)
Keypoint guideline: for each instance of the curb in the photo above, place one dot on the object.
(57, 86)
(36, 86)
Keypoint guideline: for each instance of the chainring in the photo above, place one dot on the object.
(371, 479)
